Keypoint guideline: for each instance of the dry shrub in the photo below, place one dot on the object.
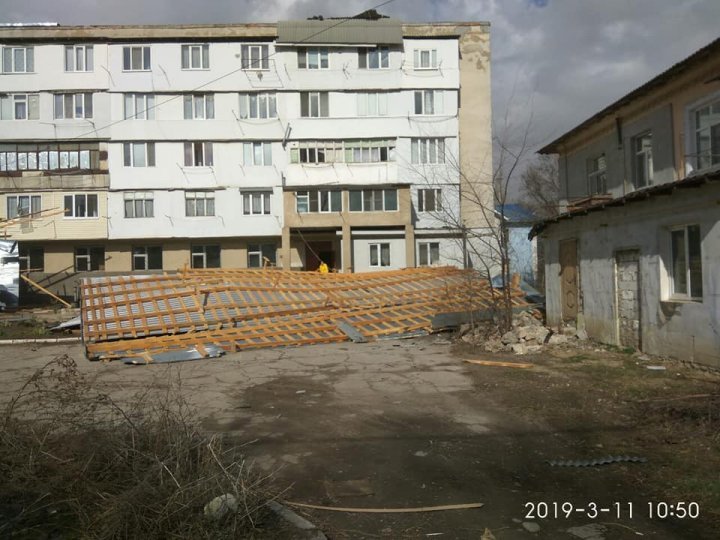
(75, 463)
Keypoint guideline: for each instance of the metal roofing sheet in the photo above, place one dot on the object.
(343, 31)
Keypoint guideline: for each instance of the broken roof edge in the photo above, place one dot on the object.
(693, 180)
(676, 69)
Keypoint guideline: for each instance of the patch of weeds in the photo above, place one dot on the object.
(576, 359)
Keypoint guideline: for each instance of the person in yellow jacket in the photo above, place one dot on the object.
(323, 268)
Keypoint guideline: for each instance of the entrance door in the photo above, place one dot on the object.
(315, 252)
(568, 279)
(627, 286)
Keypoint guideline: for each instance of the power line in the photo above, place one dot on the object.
(228, 74)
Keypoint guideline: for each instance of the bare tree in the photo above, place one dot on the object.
(540, 186)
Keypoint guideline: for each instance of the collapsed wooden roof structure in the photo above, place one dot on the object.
(201, 313)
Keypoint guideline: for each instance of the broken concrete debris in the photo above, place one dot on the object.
(194, 311)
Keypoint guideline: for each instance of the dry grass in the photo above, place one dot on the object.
(75, 463)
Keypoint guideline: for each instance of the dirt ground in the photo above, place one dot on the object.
(408, 423)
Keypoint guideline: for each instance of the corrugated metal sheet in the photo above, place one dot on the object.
(351, 31)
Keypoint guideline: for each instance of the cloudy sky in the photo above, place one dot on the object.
(558, 61)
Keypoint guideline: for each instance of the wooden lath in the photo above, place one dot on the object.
(126, 316)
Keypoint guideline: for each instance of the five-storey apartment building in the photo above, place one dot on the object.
(144, 148)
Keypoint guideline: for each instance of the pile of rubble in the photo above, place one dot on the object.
(528, 335)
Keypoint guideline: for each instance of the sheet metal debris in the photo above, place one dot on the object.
(595, 462)
(143, 316)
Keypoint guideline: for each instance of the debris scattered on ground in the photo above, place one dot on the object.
(389, 510)
(596, 462)
(656, 368)
(143, 316)
(221, 506)
(500, 364)
(531, 526)
(594, 531)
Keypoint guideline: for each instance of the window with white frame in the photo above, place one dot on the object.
(314, 104)
(199, 106)
(318, 201)
(429, 200)
(254, 57)
(258, 105)
(428, 101)
(195, 56)
(256, 203)
(425, 59)
(427, 150)
(81, 205)
(257, 154)
(706, 125)
(199, 203)
(89, 259)
(428, 253)
(261, 255)
(373, 200)
(136, 58)
(372, 104)
(139, 154)
(198, 154)
(379, 255)
(205, 256)
(138, 204)
(19, 107)
(23, 205)
(313, 58)
(147, 258)
(18, 59)
(642, 160)
(69, 106)
(139, 106)
(48, 157)
(78, 57)
(597, 175)
(686, 262)
(373, 58)
(360, 151)
(31, 258)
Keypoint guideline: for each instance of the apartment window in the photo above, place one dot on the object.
(195, 56)
(427, 150)
(686, 262)
(20, 107)
(147, 258)
(258, 106)
(31, 258)
(78, 57)
(707, 135)
(139, 106)
(259, 255)
(256, 203)
(70, 106)
(34, 157)
(199, 106)
(318, 200)
(428, 101)
(373, 200)
(18, 60)
(81, 205)
(23, 205)
(139, 154)
(199, 203)
(370, 151)
(642, 160)
(377, 58)
(372, 104)
(138, 204)
(205, 256)
(257, 154)
(597, 175)
(313, 58)
(379, 255)
(254, 57)
(136, 58)
(425, 59)
(428, 253)
(198, 154)
(429, 200)
(314, 104)
(89, 259)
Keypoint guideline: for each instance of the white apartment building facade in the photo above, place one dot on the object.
(147, 148)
